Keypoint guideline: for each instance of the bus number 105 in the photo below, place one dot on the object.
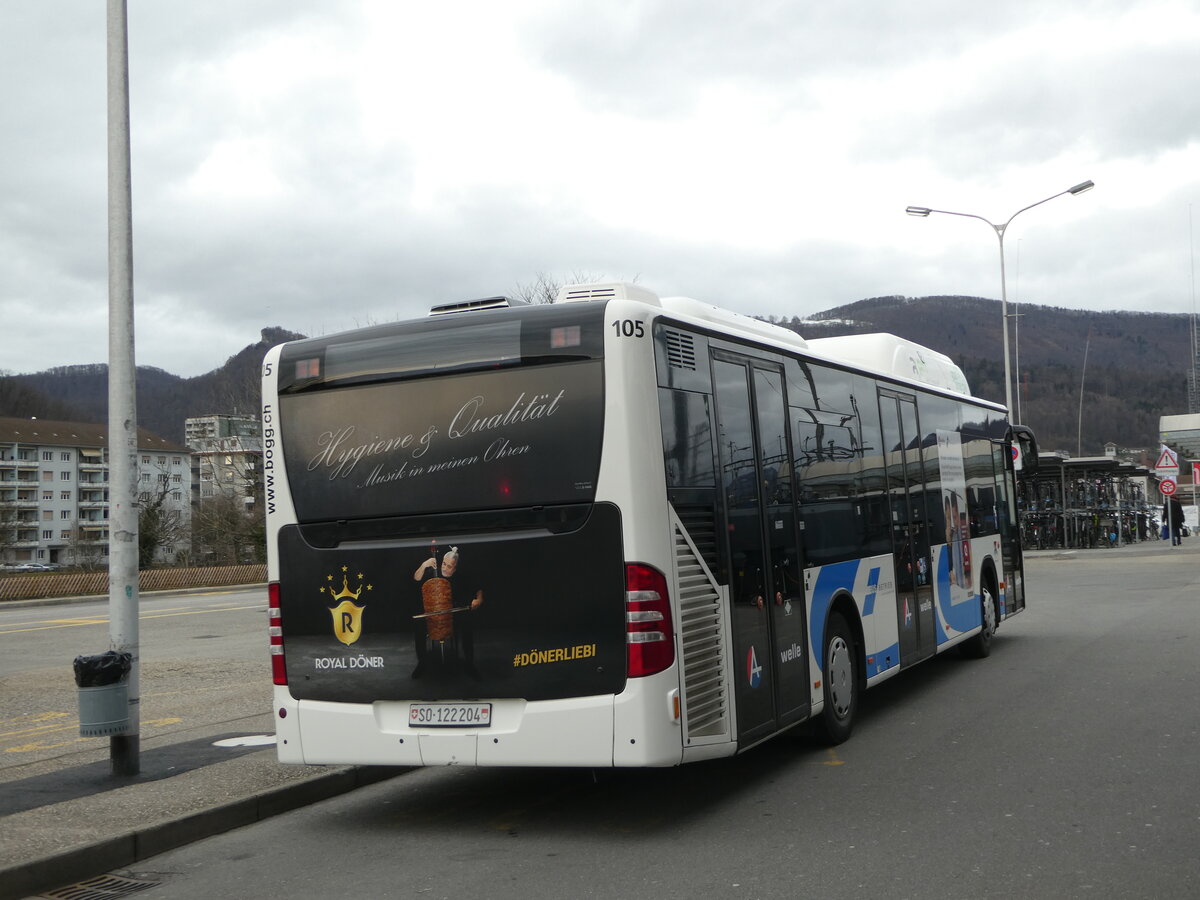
(629, 328)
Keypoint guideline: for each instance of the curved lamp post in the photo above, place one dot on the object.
(924, 211)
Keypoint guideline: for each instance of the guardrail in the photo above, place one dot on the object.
(33, 585)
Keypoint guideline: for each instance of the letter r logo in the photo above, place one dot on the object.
(347, 621)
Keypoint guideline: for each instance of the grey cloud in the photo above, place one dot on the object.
(339, 245)
(1137, 103)
(653, 58)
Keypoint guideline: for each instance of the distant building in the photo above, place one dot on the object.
(54, 490)
(226, 456)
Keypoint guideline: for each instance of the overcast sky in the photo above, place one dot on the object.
(321, 165)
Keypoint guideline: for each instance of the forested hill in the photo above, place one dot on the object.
(80, 393)
(1137, 363)
(1137, 366)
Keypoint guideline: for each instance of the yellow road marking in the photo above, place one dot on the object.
(70, 726)
(31, 748)
(33, 717)
(49, 624)
(36, 730)
(833, 759)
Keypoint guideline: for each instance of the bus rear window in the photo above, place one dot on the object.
(513, 437)
(495, 344)
(483, 341)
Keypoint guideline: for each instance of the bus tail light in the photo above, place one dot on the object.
(275, 630)
(648, 632)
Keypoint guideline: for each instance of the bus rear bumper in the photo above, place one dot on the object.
(575, 732)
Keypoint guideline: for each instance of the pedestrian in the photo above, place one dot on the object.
(1173, 516)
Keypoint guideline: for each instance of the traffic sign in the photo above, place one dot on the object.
(1168, 463)
(1167, 486)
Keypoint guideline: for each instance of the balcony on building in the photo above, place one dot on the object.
(8, 464)
(18, 500)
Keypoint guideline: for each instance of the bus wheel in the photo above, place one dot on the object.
(980, 646)
(842, 682)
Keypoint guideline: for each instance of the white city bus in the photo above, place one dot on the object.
(617, 530)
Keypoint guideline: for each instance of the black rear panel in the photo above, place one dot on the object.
(551, 623)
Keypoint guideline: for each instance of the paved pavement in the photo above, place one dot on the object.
(64, 824)
(67, 819)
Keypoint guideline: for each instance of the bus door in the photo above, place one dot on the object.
(770, 661)
(910, 527)
(1010, 537)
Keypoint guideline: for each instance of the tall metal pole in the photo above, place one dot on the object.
(1194, 399)
(125, 749)
(1082, 379)
(1016, 317)
(1008, 401)
(924, 211)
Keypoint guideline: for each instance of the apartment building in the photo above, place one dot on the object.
(54, 492)
(226, 456)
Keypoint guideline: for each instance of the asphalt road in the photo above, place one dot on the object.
(204, 660)
(1063, 766)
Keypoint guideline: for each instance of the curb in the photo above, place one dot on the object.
(100, 856)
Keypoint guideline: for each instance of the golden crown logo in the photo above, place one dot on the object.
(345, 592)
(347, 615)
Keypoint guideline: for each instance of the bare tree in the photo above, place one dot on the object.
(8, 531)
(228, 531)
(544, 288)
(85, 550)
(159, 525)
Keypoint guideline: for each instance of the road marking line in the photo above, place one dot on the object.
(73, 623)
(71, 726)
(833, 759)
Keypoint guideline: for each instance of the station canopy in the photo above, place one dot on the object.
(1181, 434)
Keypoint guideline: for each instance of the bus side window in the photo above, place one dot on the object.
(687, 434)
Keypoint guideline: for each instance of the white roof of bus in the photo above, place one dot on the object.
(884, 353)
(894, 356)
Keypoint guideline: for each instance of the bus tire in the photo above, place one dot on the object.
(980, 646)
(842, 683)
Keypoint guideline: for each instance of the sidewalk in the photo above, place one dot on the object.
(67, 819)
(1190, 545)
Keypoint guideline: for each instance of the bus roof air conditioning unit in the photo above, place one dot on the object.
(463, 306)
(612, 290)
(897, 356)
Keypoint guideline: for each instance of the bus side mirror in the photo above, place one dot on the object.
(1025, 450)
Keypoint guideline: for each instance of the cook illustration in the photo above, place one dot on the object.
(444, 624)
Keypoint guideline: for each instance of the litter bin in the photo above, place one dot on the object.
(103, 693)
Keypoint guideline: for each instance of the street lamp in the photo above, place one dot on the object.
(924, 211)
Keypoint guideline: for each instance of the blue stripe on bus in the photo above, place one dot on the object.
(832, 579)
(872, 585)
(835, 578)
(958, 617)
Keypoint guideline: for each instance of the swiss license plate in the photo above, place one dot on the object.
(450, 715)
